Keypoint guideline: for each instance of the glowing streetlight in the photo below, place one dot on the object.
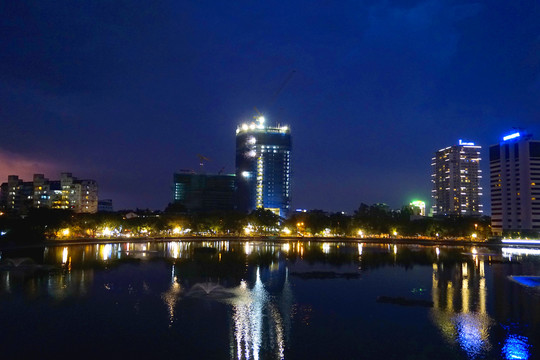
(177, 230)
(474, 235)
(65, 232)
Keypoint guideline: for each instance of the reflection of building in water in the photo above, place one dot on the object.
(261, 317)
(70, 284)
(459, 298)
(515, 304)
(512, 301)
(171, 296)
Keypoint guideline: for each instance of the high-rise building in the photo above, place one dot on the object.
(456, 180)
(263, 167)
(204, 193)
(514, 167)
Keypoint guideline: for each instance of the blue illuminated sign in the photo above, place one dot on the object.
(511, 136)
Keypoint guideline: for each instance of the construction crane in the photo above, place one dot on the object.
(276, 94)
(259, 116)
(202, 159)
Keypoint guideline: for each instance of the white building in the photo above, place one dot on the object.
(81, 196)
(515, 184)
(456, 180)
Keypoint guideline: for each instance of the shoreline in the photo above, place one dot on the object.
(395, 241)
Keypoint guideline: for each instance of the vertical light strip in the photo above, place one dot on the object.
(260, 181)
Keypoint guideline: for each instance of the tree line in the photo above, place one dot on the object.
(367, 220)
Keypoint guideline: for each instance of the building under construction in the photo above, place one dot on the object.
(263, 167)
(204, 192)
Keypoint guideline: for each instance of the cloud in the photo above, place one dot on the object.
(26, 166)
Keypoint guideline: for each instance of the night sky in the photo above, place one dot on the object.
(128, 92)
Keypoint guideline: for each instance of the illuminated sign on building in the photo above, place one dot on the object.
(511, 136)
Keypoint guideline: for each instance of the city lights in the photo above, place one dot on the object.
(107, 232)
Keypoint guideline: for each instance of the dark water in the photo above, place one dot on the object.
(266, 300)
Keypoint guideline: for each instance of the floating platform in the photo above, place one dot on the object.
(404, 301)
(529, 281)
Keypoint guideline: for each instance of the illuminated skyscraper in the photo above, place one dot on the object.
(456, 180)
(263, 167)
(515, 184)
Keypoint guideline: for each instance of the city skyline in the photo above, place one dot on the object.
(126, 95)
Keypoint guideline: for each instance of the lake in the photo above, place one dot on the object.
(270, 300)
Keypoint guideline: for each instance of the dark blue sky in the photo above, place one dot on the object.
(127, 92)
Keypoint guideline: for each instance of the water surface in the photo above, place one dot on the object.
(269, 300)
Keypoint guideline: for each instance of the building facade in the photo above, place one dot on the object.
(105, 205)
(80, 196)
(204, 193)
(514, 167)
(456, 180)
(263, 167)
(16, 195)
(69, 193)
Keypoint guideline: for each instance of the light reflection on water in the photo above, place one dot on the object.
(257, 317)
(472, 297)
(459, 305)
(516, 347)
